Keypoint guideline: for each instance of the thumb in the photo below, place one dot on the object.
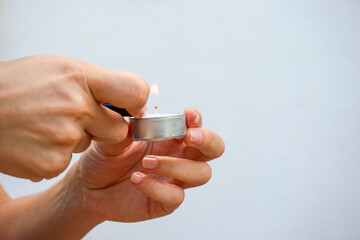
(122, 89)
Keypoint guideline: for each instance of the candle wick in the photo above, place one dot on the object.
(156, 110)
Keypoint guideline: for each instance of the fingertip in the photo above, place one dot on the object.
(150, 162)
(222, 148)
(193, 117)
(210, 142)
(140, 113)
(137, 177)
(140, 94)
(170, 195)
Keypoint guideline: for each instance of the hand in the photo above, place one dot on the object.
(51, 107)
(136, 181)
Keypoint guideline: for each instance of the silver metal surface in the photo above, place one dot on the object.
(158, 128)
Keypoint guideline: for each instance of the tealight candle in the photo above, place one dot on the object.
(158, 127)
(154, 127)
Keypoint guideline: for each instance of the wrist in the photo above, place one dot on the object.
(71, 205)
(57, 213)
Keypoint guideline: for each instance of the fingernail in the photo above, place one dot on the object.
(150, 162)
(195, 136)
(197, 118)
(136, 178)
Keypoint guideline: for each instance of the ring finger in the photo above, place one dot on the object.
(189, 173)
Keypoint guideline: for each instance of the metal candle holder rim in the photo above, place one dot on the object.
(154, 117)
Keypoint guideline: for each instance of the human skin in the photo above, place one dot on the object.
(114, 182)
(50, 107)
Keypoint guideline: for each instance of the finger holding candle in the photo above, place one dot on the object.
(106, 125)
(193, 118)
(114, 149)
(84, 143)
(203, 144)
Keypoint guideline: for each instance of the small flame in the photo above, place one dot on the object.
(154, 89)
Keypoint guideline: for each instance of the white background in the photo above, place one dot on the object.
(279, 80)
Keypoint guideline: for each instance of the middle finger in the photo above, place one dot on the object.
(203, 144)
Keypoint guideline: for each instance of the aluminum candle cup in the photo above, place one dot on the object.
(158, 128)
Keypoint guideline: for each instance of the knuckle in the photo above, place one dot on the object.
(82, 145)
(74, 103)
(178, 198)
(79, 102)
(119, 136)
(50, 168)
(119, 133)
(68, 134)
(123, 133)
(171, 171)
(80, 107)
(72, 68)
(36, 179)
(74, 71)
(64, 66)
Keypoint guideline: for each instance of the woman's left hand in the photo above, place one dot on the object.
(136, 181)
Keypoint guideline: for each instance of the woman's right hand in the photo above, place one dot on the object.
(50, 107)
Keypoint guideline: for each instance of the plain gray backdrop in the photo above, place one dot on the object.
(279, 80)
